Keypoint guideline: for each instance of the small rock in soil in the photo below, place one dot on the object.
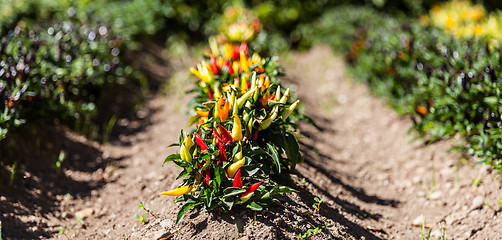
(435, 195)
(86, 212)
(477, 202)
(417, 222)
(166, 223)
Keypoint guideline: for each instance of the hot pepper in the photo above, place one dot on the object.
(237, 129)
(232, 169)
(185, 148)
(178, 191)
(213, 65)
(202, 113)
(244, 62)
(421, 110)
(222, 113)
(217, 92)
(237, 180)
(266, 123)
(225, 135)
(208, 176)
(264, 100)
(244, 97)
(209, 93)
(249, 192)
(244, 84)
(285, 114)
(223, 154)
(285, 97)
(238, 156)
(200, 142)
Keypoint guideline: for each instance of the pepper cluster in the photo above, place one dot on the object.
(244, 135)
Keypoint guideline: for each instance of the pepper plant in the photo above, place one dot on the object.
(245, 132)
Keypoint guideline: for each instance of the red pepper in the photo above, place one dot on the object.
(213, 65)
(237, 180)
(254, 137)
(225, 135)
(230, 70)
(244, 48)
(209, 93)
(237, 52)
(272, 97)
(223, 154)
(200, 142)
(208, 176)
(216, 135)
(251, 189)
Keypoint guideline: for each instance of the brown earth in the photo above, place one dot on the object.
(374, 181)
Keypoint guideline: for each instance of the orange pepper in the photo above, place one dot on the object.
(421, 110)
(223, 108)
(202, 113)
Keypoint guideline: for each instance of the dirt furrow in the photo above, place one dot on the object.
(368, 159)
(374, 182)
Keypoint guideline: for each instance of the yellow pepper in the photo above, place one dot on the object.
(178, 191)
(185, 148)
(244, 84)
(217, 92)
(237, 129)
(238, 156)
(284, 98)
(266, 123)
(244, 97)
(244, 62)
(285, 114)
(232, 169)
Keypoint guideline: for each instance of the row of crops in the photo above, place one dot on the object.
(443, 69)
(437, 62)
(245, 131)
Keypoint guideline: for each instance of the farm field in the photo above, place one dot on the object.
(374, 181)
(250, 120)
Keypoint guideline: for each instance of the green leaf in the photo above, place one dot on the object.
(218, 173)
(172, 157)
(254, 206)
(251, 170)
(491, 100)
(173, 145)
(229, 204)
(183, 211)
(292, 149)
(282, 189)
(231, 191)
(275, 156)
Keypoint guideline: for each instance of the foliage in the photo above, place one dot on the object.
(56, 67)
(463, 19)
(449, 84)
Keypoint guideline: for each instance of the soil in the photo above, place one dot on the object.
(375, 182)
